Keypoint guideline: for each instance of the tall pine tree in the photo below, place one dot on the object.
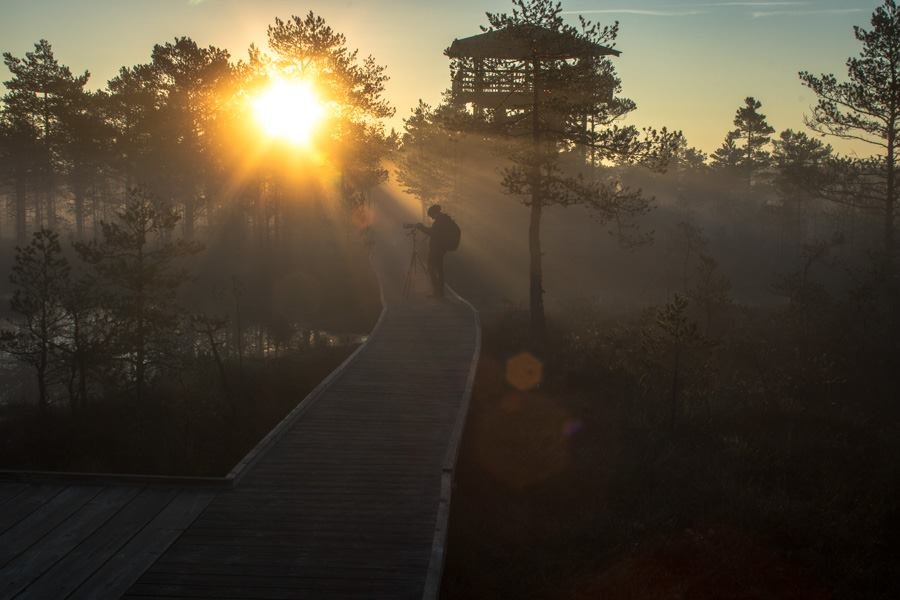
(865, 108)
(39, 278)
(753, 132)
(137, 264)
(581, 115)
(39, 93)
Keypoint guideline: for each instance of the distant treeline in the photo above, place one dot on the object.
(160, 238)
(181, 126)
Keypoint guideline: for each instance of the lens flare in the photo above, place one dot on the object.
(289, 110)
(524, 371)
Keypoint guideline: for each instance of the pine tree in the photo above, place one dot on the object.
(39, 278)
(728, 156)
(137, 264)
(712, 292)
(190, 81)
(20, 163)
(308, 47)
(132, 113)
(86, 137)
(865, 108)
(583, 116)
(424, 167)
(86, 342)
(168, 114)
(38, 94)
(670, 343)
(753, 131)
(800, 161)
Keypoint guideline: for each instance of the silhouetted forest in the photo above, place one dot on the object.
(688, 385)
(178, 283)
(712, 409)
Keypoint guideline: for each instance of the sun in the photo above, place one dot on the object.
(289, 110)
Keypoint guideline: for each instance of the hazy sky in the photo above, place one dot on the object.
(687, 64)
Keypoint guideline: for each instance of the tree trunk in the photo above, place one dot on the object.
(95, 201)
(74, 400)
(536, 277)
(139, 367)
(21, 212)
(190, 215)
(141, 338)
(70, 385)
(82, 381)
(51, 205)
(890, 197)
(239, 329)
(675, 409)
(223, 376)
(50, 191)
(536, 287)
(43, 360)
(78, 192)
(38, 203)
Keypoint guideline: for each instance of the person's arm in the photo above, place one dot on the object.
(423, 228)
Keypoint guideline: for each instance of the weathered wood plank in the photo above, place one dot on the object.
(28, 566)
(313, 588)
(39, 523)
(31, 499)
(9, 491)
(65, 576)
(124, 568)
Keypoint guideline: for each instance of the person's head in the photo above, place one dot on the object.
(434, 211)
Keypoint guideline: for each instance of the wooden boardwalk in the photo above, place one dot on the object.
(347, 499)
(86, 541)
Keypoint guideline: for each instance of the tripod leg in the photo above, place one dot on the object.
(410, 276)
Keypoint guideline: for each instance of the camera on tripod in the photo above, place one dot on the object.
(415, 259)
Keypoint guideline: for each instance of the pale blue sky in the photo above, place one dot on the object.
(687, 64)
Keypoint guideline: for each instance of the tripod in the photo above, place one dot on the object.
(415, 263)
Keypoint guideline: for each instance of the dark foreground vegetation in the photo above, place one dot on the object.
(711, 410)
(134, 354)
(187, 428)
(757, 461)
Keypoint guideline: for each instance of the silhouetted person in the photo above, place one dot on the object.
(443, 237)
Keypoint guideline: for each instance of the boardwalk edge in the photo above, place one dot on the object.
(276, 433)
(439, 544)
(237, 472)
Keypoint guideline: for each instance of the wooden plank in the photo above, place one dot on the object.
(124, 568)
(42, 521)
(28, 566)
(269, 580)
(64, 478)
(271, 439)
(31, 499)
(8, 491)
(320, 587)
(188, 558)
(65, 576)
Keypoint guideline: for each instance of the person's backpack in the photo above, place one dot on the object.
(453, 234)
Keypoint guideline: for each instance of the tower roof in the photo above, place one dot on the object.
(524, 42)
